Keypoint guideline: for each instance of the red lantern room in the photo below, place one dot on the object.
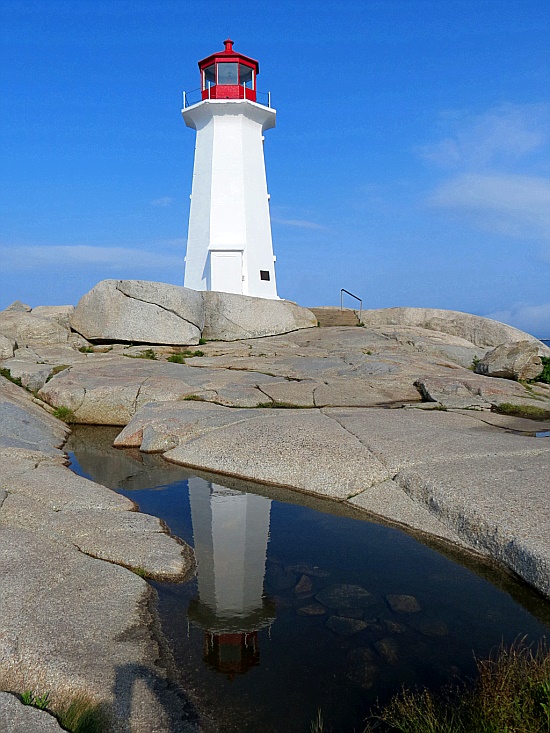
(228, 75)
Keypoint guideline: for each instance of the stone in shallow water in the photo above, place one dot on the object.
(304, 585)
(278, 579)
(313, 609)
(345, 626)
(403, 603)
(394, 628)
(351, 612)
(345, 596)
(430, 628)
(387, 648)
(362, 667)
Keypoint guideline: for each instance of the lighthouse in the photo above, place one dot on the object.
(229, 245)
(230, 534)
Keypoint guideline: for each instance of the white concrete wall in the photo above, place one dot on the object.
(229, 200)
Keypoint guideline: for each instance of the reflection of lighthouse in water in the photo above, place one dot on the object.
(231, 531)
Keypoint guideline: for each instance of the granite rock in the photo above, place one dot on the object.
(519, 360)
(142, 311)
(230, 317)
(476, 329)
(18, 718)
(27, 329)
(6, 347)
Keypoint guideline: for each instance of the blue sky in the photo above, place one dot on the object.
(410, 163)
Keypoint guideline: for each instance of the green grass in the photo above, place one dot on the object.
(202, 342)
(82, 715)
(180, 356)
(510, 695)
(545, 376)
(65, 414)
(87, 349)
(36, 701)
(528, 411)
(140, 571)
(7, 374)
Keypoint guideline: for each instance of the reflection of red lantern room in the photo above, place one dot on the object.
(232, 654)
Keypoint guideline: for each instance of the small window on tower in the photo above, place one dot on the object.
(264, 275)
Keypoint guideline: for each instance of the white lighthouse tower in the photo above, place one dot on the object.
(229, 245)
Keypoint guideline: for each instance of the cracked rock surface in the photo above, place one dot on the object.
(72, 624)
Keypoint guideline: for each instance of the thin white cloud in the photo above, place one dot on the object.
(514, 205)
(502, 135)
(162, 201)
(533, 319)
(300, 223)
(41, 258)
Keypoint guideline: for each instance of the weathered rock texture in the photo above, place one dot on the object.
(27, 329)
(480, 331)
(519, 360)
(449, 474)
(232, 317)
(156, 313)
(72, 624)
(137, 310)
(18, 718)
(59, 313)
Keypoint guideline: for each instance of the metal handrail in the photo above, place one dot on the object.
(186, 102)
(342, 291)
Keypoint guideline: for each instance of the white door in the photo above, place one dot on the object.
(226, 271)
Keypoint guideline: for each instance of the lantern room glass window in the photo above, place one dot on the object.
(228, 74)
(246, 76)
(210, 75)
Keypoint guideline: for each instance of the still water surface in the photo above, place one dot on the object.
(301, 604)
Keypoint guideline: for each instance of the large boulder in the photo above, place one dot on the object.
(27, 329)
(17, 307)
(519, 360)
(59, 313)
(140, 311)
(230, 317)
(480, 331)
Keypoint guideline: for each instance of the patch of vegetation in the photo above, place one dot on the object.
(475, 362)
(283, 405)
(65, 414)
(317, 725)
(202, 342)
(545, 376)
(82, 715)
(529, 411)
(140, 571)
(511, 695)
(194, 398)
(180, 356)
(36, 701)
(56, 370)
(86, 349)
(7, 374)
(147, 354)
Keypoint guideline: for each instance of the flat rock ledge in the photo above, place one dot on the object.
(460, 476)
(74, 625)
